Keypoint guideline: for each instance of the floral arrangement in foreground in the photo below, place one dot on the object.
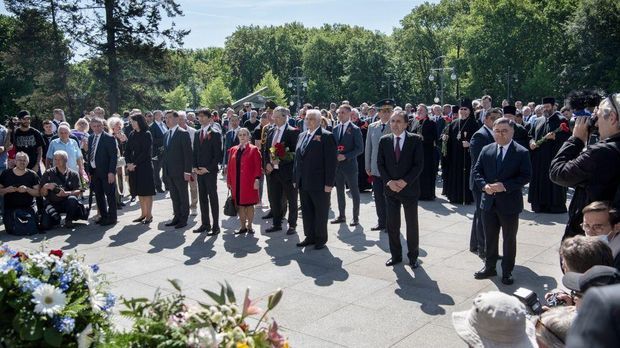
(48, 299)
(167, 321)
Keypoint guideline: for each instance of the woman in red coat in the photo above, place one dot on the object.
(243, 176)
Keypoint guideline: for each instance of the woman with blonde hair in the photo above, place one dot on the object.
(115, 128)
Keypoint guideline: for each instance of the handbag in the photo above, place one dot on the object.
(84, 211)
(229, 207)
(24, 223)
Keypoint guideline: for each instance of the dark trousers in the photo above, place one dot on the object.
(179, 196)
(105, 196)
(509, 223)
(380, 200)
(281, 192)
(70, 206)
(346, 173)
(476, 239)
(156, 173)
(207, 193)
(393, 227)
(315, 209)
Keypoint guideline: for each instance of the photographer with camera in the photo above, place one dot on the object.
(595, 172)
(61, 188)
(19, 186)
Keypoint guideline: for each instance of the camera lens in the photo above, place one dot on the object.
(592, 128)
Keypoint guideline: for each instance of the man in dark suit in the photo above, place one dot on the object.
(177, 165)
(102, 158)
(207, 155)
(480, 139)
(502, 169)
(231, 138)
(349, 142)
(315, 173)
(157, 132)
(400, 161)
(280, 171)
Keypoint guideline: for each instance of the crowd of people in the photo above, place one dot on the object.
(483, 154)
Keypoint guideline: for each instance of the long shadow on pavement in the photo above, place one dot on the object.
(199, 249)
(420, 288)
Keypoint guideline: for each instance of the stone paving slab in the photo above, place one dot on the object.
(341, 296)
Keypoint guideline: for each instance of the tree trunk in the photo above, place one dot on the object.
(61, 68)
(112, 57)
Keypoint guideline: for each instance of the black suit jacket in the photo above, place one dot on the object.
(315, 167)
(177, 156)
(289, 139)
(106, 156)
(158, 139)
(480, 139)
(208, 153)
(515, 172)
(408, 168)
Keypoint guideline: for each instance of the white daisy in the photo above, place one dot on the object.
(48, 300)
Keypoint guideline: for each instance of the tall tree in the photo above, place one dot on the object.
(274, 90)
(216, 95)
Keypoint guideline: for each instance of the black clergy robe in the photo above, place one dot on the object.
(459, 161)
(427, 128)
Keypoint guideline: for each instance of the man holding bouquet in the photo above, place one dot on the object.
(278, 159)
(349, 145)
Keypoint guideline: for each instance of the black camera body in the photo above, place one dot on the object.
(56, 189)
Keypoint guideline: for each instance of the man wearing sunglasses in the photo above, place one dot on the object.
(597, 169)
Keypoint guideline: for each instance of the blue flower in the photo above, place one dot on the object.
(10, 265)
(110, 300)
(6, 249)
(28, 284)
(65, 280)
(65, 325)
(94, 267)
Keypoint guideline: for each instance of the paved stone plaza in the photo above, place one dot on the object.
(341, 296)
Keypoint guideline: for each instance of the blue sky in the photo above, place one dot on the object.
(211, 21)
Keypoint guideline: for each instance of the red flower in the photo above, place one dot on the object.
(56, 252)
(21, 256)
(340, 148)
(370, 179)
(280, 150)
(564, 127)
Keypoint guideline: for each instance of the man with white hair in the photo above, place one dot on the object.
(75, 161)
(193, 184)
(60, 185)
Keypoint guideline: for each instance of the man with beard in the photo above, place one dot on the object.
(427, 129)
(547, 137)
(458, 164)
(29, 141)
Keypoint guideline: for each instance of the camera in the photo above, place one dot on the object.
(529, 299)
(49, 210)
(585, 99)
(56, 189)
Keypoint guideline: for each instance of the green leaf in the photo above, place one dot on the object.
(217, 298)
(52, 337)
(230, 293)
(176, 284)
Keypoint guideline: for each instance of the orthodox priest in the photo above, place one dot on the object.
(427, 129)
(458, 159)
(547, 136)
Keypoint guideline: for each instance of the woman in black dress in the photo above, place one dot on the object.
(427, 128)
(139, 165)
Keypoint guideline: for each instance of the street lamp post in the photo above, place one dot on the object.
(439, 72)
(389, 84)
(508, 78)
(300, 83)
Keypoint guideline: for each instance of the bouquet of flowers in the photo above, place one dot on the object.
(169, 322)
(278, 152)
(51, 300)
(340, 148)
(562, 128)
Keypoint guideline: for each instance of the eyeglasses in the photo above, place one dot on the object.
(613, 103)
(594, 228)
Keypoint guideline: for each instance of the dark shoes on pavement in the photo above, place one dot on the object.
(305, 243)
(338, 220)
(273, 229)
(485, 272)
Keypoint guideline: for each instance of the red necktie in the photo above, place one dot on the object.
(202, 136)
(397, 149)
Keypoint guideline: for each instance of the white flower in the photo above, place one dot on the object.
(97, 300)
(204, 337)
(84, 338)
(48, 300)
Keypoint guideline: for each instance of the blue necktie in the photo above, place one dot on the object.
(499, 159)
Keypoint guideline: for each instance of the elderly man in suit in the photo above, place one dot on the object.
(177, 165)
(502, 169)
(314, 174)
(280, 171)
(480, 139)
(349, 142)
(207, 156)
(400, 161)
(193, 184)
(102, 158)
(157, 129)
(375, 131)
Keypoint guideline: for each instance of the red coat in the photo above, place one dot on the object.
(250, 170)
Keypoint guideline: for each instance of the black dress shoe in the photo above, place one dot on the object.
(414, 264)
(214, 232)
(180, 225)
(108, 222)
(319, 246)
(507, 279)
(339, 220)
(377, 228)
(268, 216)
(485, 273)
(139, 219)
(273, 229)
(291, 230)
(133, 199)
(160, 190)
(172, 223)
(242, 231)
(147, 221)
(201, 229)
(304, 243)
(354, 223)
(392, 261)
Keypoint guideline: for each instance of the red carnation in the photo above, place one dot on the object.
(340, 148)
(370, 179)
(564, 127)
(56, 252)
(21, 256)
(280, 150)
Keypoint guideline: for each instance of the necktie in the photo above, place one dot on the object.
(305, 143)
(202, 135)
(341, 132)
(93, 150)
(275, 137)
(168, 138)
(397, 149)
(500, 158)
(382, 127)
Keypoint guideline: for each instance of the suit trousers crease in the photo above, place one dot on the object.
(476, 240)
(393, 227)
(346, 173)
(315, 209)
(207, 195)
(509, 224)
(180, 198)
(380, 200)
(156, 173)
(282, 193)
(105, 196)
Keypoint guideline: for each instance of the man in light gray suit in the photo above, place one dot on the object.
(376, 130)
(349, 143)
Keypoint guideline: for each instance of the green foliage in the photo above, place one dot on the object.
(273, 91)
(176, 99)
(216, 95)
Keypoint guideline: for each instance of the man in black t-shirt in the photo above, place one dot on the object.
(61, 187)
(29, 140)
(18, 186)
(252, 122)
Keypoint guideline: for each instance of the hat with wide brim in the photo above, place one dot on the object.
(463, 325)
